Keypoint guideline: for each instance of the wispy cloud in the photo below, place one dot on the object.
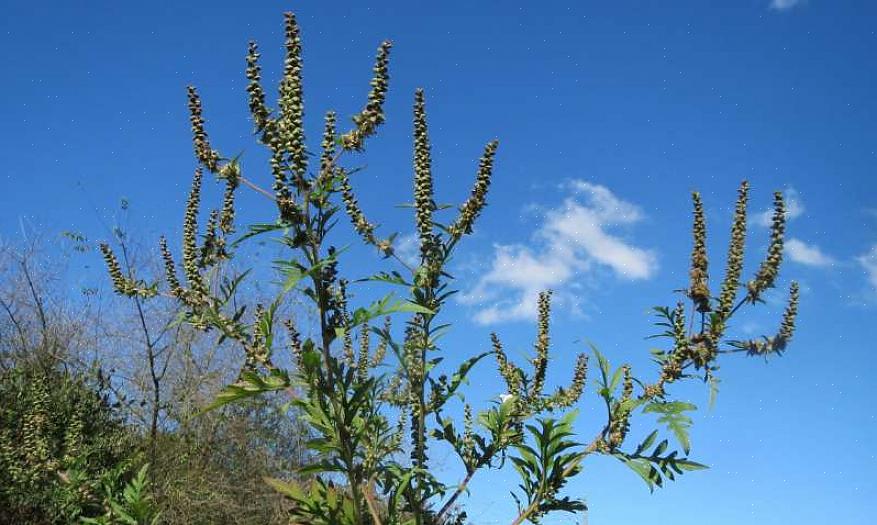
(782, 5)
(407, 248)
(794, 209)
(808, 254)
(571, 240)
(869, 263)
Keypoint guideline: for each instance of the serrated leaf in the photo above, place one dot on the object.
(672, 415)
(249, 385)
(643, 470)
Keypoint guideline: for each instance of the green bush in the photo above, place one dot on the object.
(61, 444)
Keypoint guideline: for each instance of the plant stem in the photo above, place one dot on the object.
(460, 489)
(370, 501)
(258, 189)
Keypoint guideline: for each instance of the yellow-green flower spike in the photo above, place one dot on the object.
(383, 344)
(699, 290)
(776, 344)
(543, 341)
(770, 267)
(295, 346)
(256, 352)
(291, 100)
(565, 398)
(627, 385)
(190, 235)
(283, 197)
(347, 349)
(170, 268)
(258, 108)
(364, 358)
(121, 284)
(423, 183)
(468, 441)
(620, 424)
(363, 227)
(327, 157)
(203, 152)
(226, 220)
(734, 264)
(787, 327)
(510, 373)
(209, 250)
(672, 367)
(367, 121)
(471, 209)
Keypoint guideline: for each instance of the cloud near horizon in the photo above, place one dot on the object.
(571, 240)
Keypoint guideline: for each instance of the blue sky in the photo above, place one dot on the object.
(608, 115)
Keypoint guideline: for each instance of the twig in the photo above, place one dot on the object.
(256, 188)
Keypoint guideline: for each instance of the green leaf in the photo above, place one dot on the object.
(714, 389)
(389, 304)
(645, 470)
(662, 446)
(672, 415)
(604, 366)
(393, 277)
(290, 490)
(685, 464)
(294, 271)
(647, 443)
(616, 378)
(250, 385)
(259, 229)
(460, 375)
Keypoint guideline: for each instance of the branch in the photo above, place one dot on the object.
(258, 189)
(460, 489)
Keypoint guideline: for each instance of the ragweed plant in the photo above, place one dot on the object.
(372, 431)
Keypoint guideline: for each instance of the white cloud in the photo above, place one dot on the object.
(794, 209)
(572, 239)
(782, 5)
(869, 263)
(407, 248)
(795, 249)
(803, 253)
